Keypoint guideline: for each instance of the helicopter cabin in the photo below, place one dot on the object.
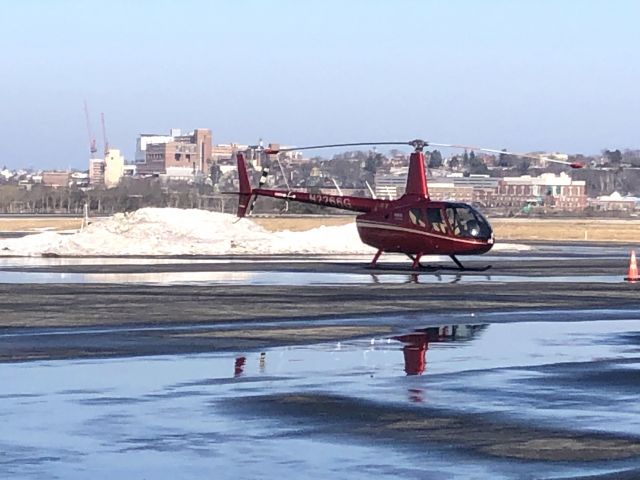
(450, 219)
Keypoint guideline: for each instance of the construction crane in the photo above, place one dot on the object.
(92, 141)
(104, 135)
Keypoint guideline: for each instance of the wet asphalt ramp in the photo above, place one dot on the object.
(490, 400)
(225, 369)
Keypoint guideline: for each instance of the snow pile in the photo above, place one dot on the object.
(172, 231)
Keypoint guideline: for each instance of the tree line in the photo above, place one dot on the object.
(130, 195)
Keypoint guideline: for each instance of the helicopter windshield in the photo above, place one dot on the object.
(467, 222)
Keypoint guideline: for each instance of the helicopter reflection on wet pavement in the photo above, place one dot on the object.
(417, 343)
(430, 275)
(239, 364)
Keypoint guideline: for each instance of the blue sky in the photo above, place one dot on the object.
(525, 75)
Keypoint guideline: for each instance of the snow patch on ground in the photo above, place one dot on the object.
(172, 231)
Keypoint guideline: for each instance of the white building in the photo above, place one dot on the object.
(391, 185)
(185, 174)
(113, 168)
(80, 179)
(130, 170)
(615, 201)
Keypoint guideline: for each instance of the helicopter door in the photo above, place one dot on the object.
(436, 220)
(466, 222)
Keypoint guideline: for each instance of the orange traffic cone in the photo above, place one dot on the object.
(632, 276)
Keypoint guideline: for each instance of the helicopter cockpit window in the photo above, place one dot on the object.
(466, 222)
(416, 217)
(436, 222)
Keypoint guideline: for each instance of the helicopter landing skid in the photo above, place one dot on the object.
(458, 268)
(417, 266)
(467, 269)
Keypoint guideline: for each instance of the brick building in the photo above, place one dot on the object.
(96, 171)
(183, 156)
(560, 192)
(56, 179)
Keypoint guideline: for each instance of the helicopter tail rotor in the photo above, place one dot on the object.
(263, 180)
(247, 197)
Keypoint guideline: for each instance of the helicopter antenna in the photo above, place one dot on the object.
(373, 194)
(337, 187)
(286, 182)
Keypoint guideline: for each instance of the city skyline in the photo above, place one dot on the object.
(558, 76)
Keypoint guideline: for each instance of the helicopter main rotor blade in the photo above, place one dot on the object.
(332, 145)
(506, 152)
(420, 144)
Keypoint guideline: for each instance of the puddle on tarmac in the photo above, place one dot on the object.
(285, 278)
(160, 417)
(32, 262)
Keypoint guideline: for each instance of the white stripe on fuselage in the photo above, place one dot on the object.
(387, 226)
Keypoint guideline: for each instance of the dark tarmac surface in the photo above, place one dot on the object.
(269, 369)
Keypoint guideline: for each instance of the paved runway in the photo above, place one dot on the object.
(316, 367)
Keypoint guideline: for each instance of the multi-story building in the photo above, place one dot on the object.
(182, 156)
(478, 189)
(153, 138)
(224, 152)
(96, 171)
(560, 192)
(391, 185)
(456, 187)
(450, 191)
(201, 139)
(113, 168)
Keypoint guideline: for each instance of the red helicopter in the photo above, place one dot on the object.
(413, 224)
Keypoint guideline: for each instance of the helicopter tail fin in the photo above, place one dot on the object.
(244, 197)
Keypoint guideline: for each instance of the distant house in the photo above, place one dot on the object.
(615, 201)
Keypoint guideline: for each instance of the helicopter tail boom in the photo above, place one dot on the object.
(247, 195)
(343, 202)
